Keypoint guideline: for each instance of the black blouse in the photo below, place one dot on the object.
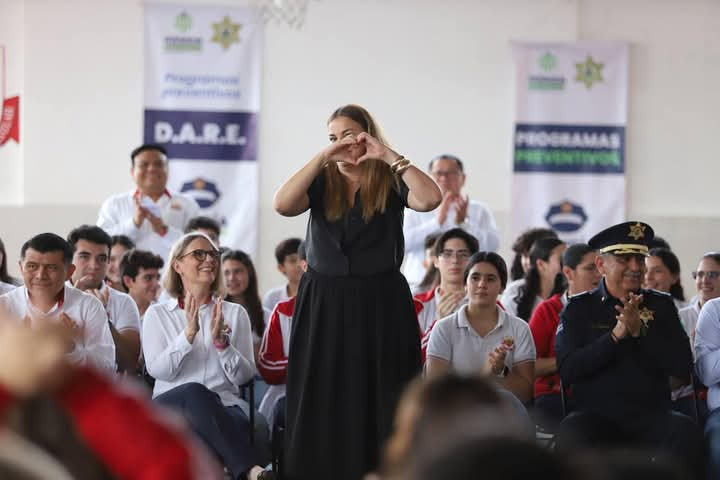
(349, 246)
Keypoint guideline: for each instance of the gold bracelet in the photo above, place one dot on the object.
(401, 169)
(400, 165)
(397, 163)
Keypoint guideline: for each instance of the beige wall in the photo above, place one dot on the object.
(437, 75)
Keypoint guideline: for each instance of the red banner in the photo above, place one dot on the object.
(10, 120)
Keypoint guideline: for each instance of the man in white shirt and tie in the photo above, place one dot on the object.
(150, 215)
(455, 211)
(45, 264)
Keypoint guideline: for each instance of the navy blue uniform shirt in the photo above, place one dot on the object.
(626, 379)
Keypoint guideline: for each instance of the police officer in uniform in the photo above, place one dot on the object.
(617, 347)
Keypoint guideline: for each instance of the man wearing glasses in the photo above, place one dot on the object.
(455, 211)
(706, 309)
(453, 249)
(617, 347)
(150, 215)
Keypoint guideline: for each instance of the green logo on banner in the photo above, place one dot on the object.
(183, 22)
(547, 62)
(589, 72)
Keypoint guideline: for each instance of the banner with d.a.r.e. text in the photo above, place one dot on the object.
(569, 141)
(202, 99)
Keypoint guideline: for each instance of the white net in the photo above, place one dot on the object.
(290, 12)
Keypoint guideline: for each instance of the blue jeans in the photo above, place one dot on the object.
(225, 430)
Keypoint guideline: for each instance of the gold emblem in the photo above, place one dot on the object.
(225, 33)
(646, 315)
(637, 231)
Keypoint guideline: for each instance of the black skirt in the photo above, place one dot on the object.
(355, 344)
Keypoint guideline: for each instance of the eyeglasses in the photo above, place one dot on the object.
(201, 255)
(711, 275)
(459, 254)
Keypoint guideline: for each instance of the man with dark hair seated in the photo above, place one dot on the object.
(140, 273)
(46, 265)
(120, 245)
(617, 347)
(91, 251)
(152, 216)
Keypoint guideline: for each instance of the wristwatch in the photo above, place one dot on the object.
(504, 373)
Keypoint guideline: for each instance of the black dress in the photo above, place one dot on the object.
(355, 341)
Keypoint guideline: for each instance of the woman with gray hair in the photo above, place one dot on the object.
(199, 350)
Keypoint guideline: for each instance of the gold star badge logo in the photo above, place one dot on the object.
(589, 72)
(226, 32)
(637, 231)
(646, 315)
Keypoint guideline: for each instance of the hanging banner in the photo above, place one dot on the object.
(202, 99)
(10, 113)
(569, 142)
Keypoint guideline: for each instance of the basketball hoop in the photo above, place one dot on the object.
(290, 12)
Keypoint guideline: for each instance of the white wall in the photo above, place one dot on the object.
(437, 75)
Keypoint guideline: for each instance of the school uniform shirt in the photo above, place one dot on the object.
(543, 325)
(454, 340)
(173, 361)
(275, 295)
(689, 318)
(479, 222)
(116, 218)
(121, 309)
(426, 308)
(511, 291)
(707, 350)
(95, 347)
(273, 356)
(6, 287)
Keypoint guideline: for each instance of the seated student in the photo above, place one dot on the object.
(617, 347)
(707, 283)
(431, 278)
(442, 406)
(109, 431)
(46, 266)
(140, 273)
(273, 357)
(199, 350)
(241, 287)
(663, 274)
(288, 263)
(7, 282)
(91, 250)
(120, 245)
(206, 225)
(707, 366)
(481, 338)
(521, 247)
(578, 267)
(542, 279)
(453, 249)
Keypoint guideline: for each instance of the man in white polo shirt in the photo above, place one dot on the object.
(91, 259)
(150, 215)
(45, 264)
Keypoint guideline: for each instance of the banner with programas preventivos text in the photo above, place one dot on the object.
(202, 99)
(569, 139)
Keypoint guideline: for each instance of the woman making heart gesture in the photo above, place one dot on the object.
(199, 350)
(355, 338)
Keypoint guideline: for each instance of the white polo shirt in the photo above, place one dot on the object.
(116, 218)
(122, 310)
(454, 340)
(174, 362)
(6, 287)
(96, 347)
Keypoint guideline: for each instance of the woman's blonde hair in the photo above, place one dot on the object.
(172, 282)
(376, 179)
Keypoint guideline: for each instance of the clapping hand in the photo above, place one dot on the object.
(449, 302)
(219, 330)
(496, 360)
(192, 314)
(629, 315)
